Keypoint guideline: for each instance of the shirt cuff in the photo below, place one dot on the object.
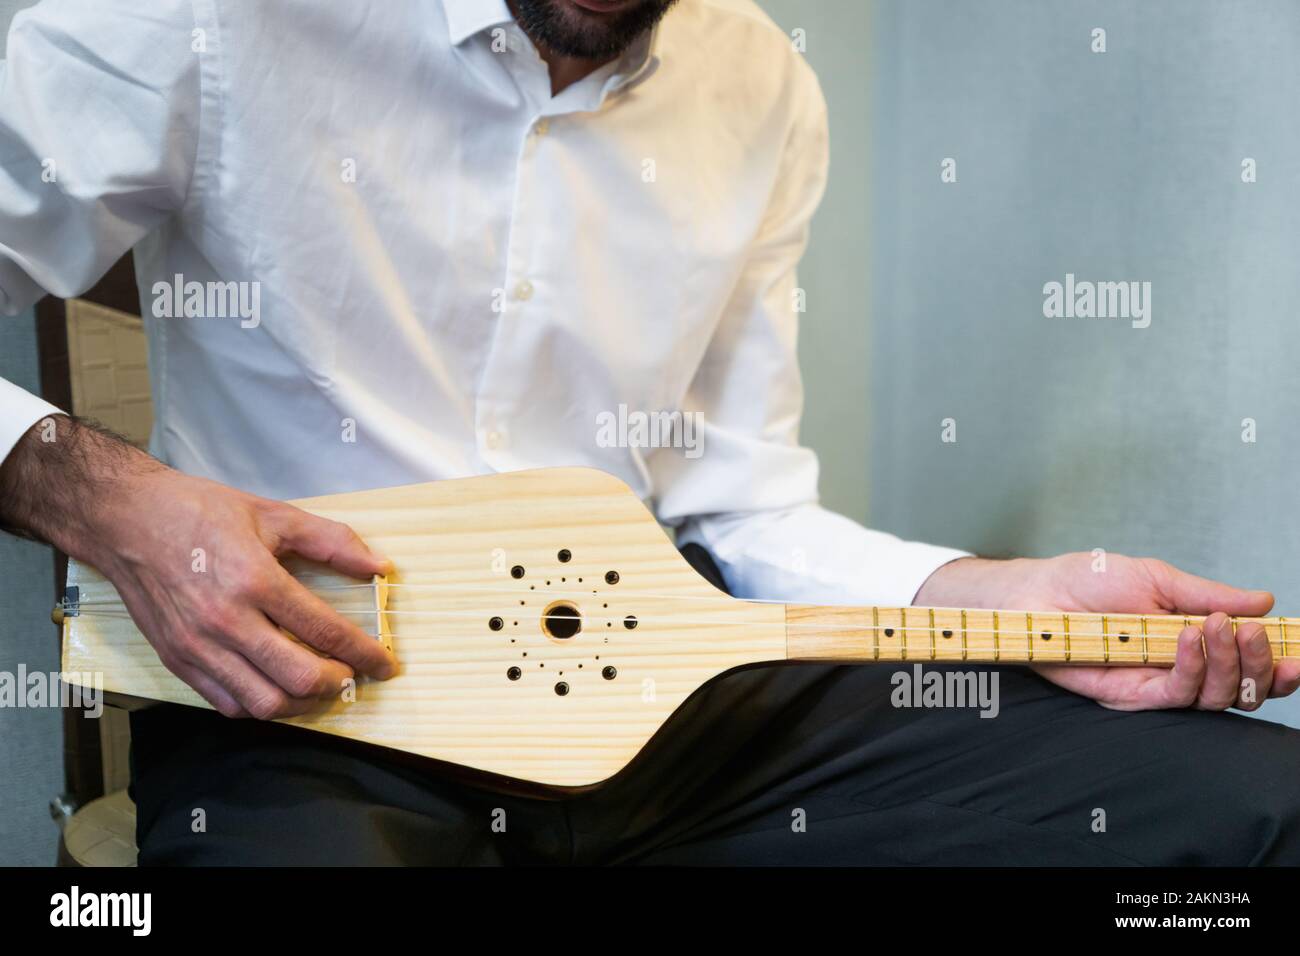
(810, 555)
(19, 411)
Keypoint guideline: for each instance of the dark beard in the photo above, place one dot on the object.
(557, 27)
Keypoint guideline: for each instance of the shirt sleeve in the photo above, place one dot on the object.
(19, 411)
(749, 494)
(99, 113)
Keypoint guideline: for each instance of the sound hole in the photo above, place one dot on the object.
(561, 621)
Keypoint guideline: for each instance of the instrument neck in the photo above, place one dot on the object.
(817, 633)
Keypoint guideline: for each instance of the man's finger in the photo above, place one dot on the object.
(1223, 665)
(246, 684)
(1286, 678)
(312, 621)
(295, 669)
(329, 542)
(1256, 664)
(211, 691)
(1182, 684)
(1188, 594)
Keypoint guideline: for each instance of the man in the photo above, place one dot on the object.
(459, 231)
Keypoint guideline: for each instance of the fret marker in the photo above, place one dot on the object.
(1046, 636)
(947, 633)
(889, 632)
(1123, 638)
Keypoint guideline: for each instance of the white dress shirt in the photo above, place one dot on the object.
(454, 271)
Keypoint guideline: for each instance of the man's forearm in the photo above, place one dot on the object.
(976, 582)
(60, 474)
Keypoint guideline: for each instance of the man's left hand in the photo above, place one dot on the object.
(1211, 664)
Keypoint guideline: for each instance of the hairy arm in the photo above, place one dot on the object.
(60, 469)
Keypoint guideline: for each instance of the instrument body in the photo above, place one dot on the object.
(455, 545)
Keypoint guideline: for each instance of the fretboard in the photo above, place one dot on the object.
(949, 634)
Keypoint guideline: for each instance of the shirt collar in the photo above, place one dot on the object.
(468, 17)
(641, 60)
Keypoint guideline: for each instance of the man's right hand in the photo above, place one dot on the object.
(139, 522)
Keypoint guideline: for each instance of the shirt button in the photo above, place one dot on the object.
(542, 127)
(524, 290)
(492, 440)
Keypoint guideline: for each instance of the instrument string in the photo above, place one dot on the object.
(1002, 636)
(1012, 613)
(974, 652)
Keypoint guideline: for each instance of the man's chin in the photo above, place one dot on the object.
(600, 6)
(590, 29)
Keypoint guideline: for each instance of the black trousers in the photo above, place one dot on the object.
(793, 764)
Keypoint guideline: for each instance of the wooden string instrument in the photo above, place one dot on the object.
(547, 627)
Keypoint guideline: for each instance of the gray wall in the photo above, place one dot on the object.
(31, 741)
(7, 10)
(1123, 165)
